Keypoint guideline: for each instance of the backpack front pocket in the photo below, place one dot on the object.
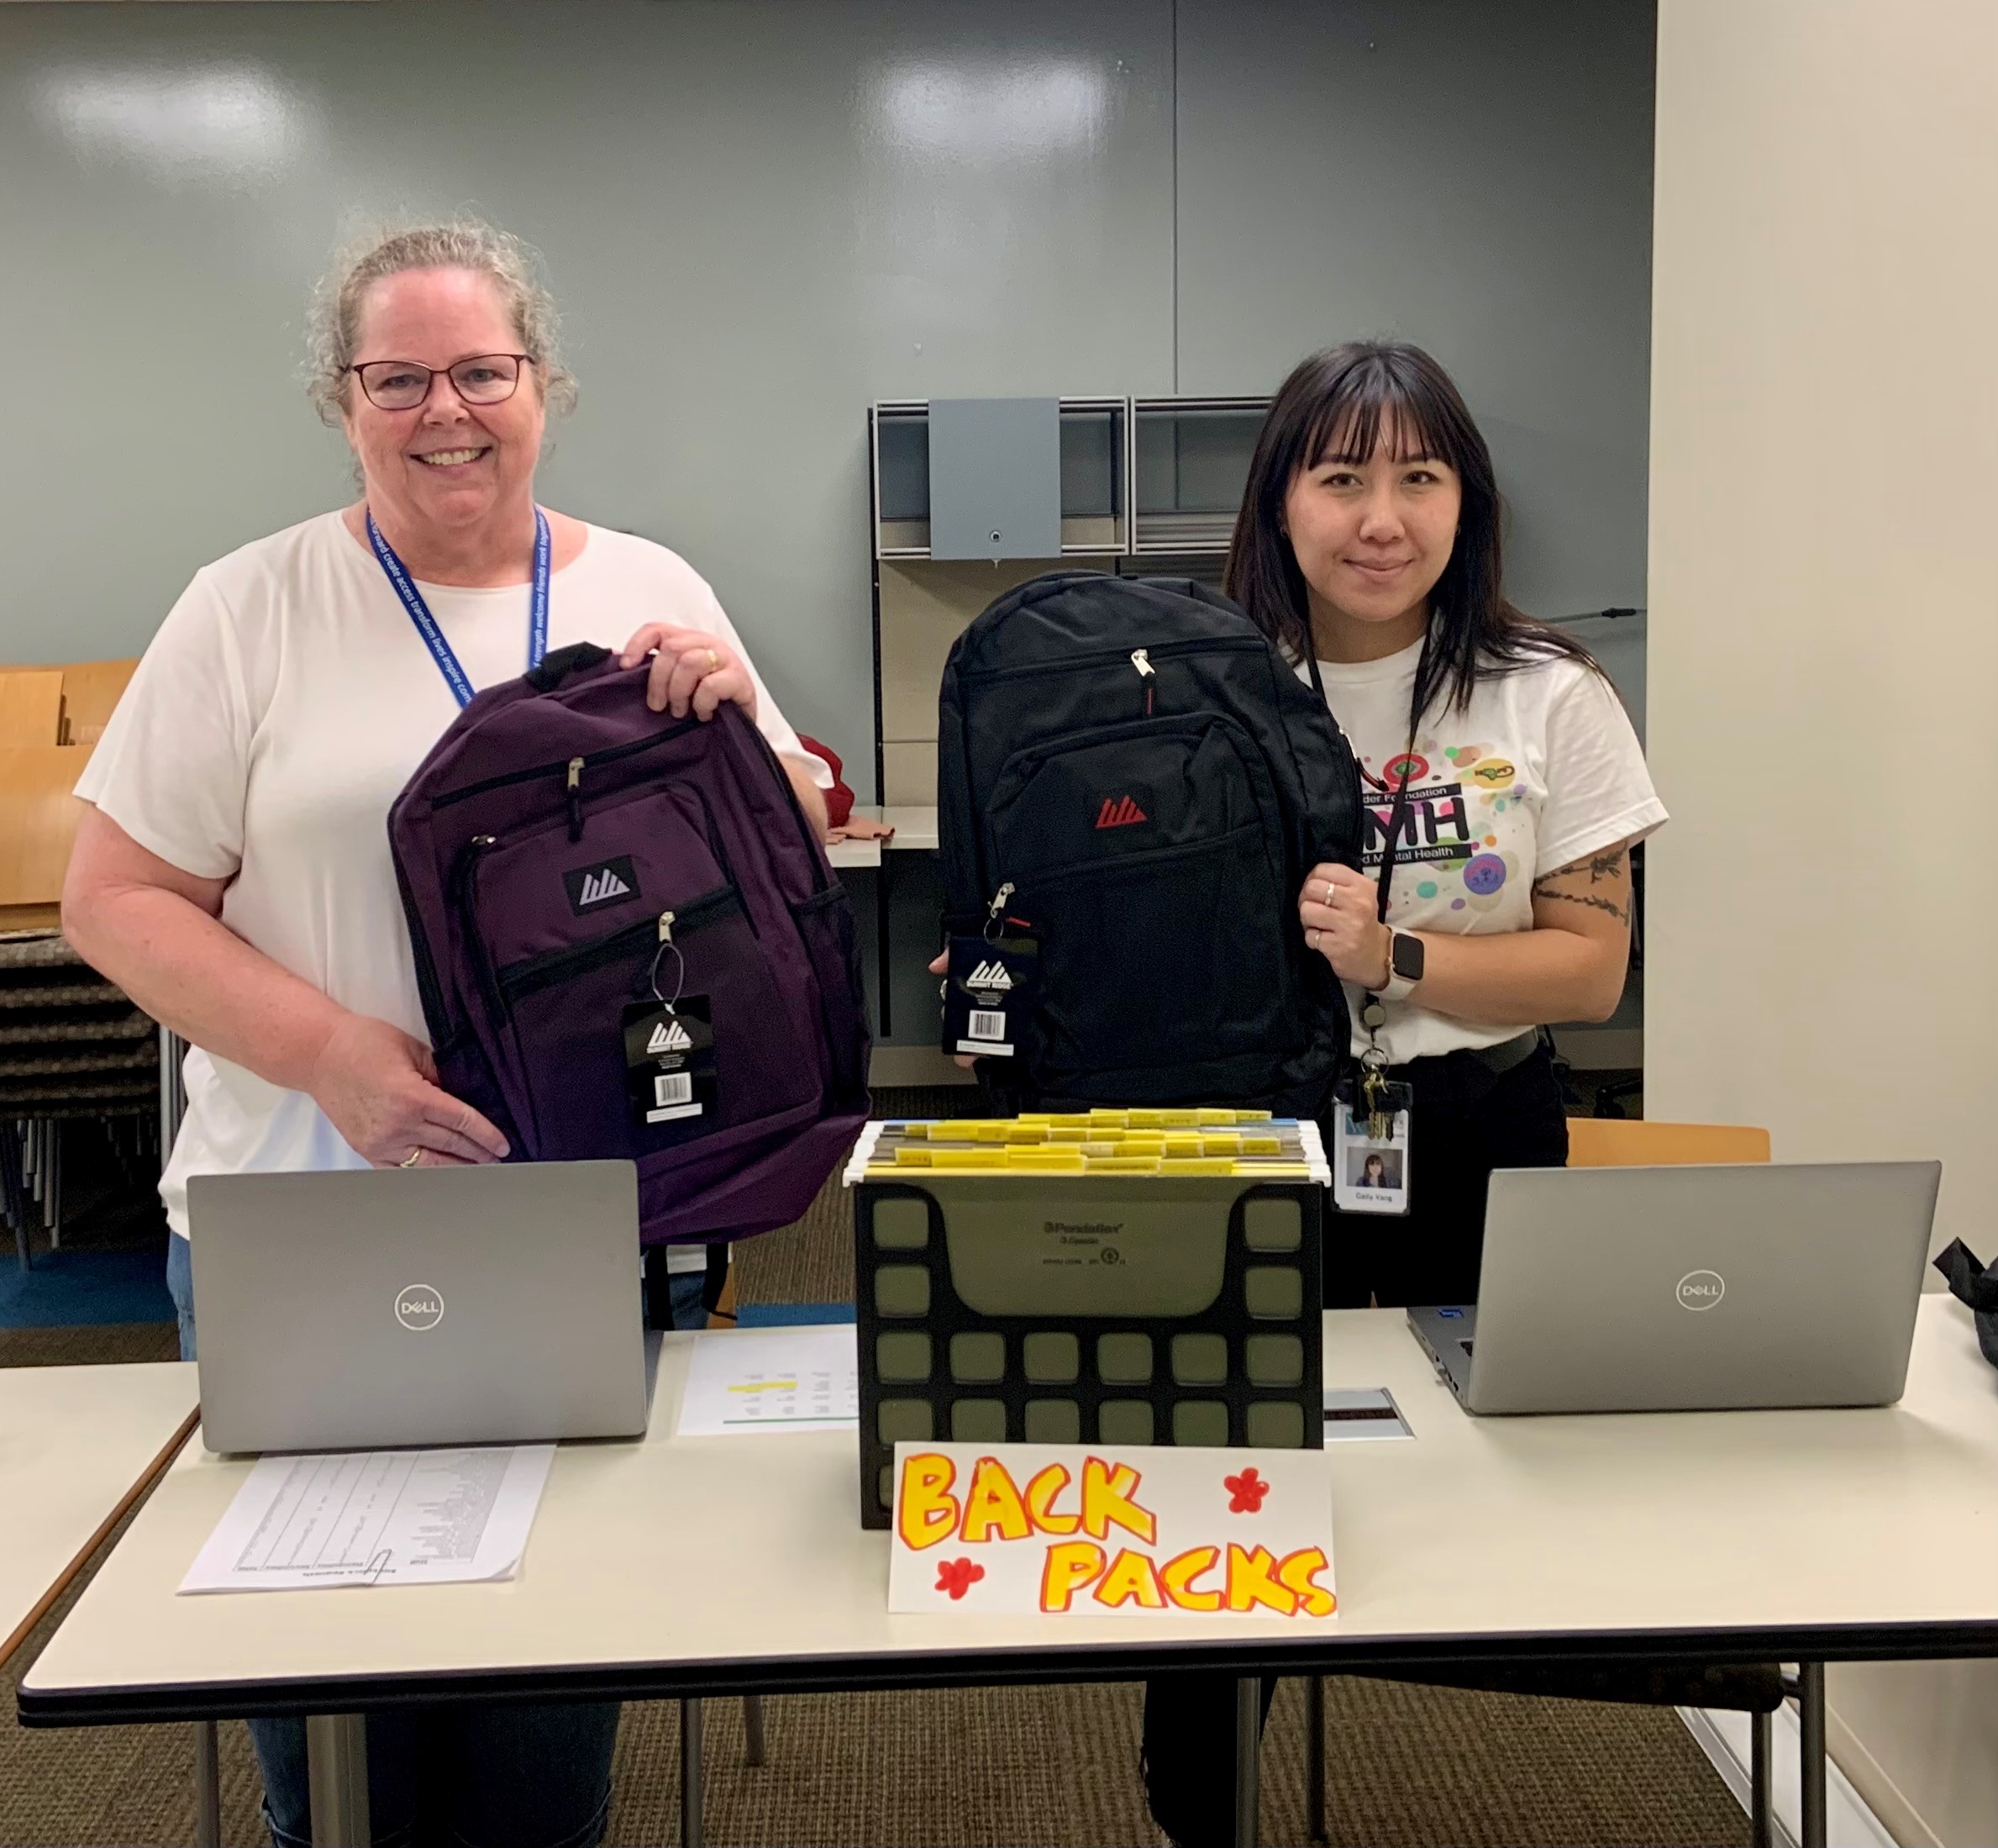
(563, 1014)
(1147, 859)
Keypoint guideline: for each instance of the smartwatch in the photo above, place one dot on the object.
(1404, 965)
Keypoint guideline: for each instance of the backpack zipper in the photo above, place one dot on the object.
(1141, 658)
(519, 979)
(608, 755)
(1154, 654)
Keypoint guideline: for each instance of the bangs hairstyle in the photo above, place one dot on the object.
(1335, 406)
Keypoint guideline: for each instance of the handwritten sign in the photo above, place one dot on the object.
(1069, 1531)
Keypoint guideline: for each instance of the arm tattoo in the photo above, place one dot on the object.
(1613, 865)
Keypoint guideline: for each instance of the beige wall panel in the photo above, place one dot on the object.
(909, 774)
(1824, 643)
(925, 607)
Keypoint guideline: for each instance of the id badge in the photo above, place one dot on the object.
(988, 990)
(1370, 1176)
(669, 1060)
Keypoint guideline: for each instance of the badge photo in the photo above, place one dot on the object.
(1369, 1174)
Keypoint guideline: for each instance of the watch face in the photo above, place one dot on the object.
(1405, 957)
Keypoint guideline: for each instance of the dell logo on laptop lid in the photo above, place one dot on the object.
(419, 1306)
(1700, 1289)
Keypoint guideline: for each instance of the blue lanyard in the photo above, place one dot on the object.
(441, 651)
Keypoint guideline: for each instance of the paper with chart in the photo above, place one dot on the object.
(805, 1378)
(376, 1518)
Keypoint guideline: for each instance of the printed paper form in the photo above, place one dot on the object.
(376, 1518)
(787, 1379)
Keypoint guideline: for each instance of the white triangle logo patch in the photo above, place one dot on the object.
(989, 974)
(669, 1036)
(599, 886)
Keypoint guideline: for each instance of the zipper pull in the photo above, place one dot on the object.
(1141, 658)
(665, 927)
(998, 903)
(576, 799)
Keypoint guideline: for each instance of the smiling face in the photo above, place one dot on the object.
(445, 466)
(1372, 537)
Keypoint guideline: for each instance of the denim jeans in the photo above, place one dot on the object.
(482, 1776)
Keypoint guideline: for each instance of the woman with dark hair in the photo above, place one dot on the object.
(1493, 749)
(1505, 789)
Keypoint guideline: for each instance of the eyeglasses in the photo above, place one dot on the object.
(401, 385)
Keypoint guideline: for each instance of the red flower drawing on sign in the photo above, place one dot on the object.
(958, 1576)
(1245, 1492)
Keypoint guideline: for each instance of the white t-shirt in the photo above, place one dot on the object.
(1541, 770)
(277, 715)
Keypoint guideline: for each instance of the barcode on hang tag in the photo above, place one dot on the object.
(988, 1026)
(672, 1087)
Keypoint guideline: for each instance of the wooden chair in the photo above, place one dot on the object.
(1757, 1689)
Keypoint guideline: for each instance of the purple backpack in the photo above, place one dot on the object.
(571, 864)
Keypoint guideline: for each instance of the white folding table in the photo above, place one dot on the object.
(1736, 1537)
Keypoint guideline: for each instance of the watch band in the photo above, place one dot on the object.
(1398, 987)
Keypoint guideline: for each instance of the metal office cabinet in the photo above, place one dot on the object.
(994, 478)
(1189, 460)
(1092, 462)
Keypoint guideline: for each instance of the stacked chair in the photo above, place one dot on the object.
(71, 1045)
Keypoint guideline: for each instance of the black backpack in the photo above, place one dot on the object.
(1147, 778)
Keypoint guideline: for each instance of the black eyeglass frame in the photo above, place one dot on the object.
(364, 367)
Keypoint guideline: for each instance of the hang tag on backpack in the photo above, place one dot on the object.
(987, 991)
(1370, 1154)
(669, 1060)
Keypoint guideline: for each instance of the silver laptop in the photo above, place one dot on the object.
(1690, 1288)
(428, 1306)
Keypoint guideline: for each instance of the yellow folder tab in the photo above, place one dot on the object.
(1046, 1160)
(988, 1160)
(1069, 1136)
(1034, 1116)
(1146, 1119)
(1221, 1144)
(1180, 1119)
(1074, 1120)
(910, 1132)
(911, 1158)
(1255, 1116)
(1102, 1148)
(1262, 1144)
(1197, 1165)
(1026, 1132)
(1216, 1115)
(1182, 1145)
(1116, 1119)
(1123, 1164)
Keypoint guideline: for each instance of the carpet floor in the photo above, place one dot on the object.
(959, 1769)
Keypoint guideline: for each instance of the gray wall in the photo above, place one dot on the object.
(762, 214)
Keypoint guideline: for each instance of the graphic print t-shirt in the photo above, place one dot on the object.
(1541, 771)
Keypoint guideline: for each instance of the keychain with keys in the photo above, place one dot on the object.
(1370, 1130)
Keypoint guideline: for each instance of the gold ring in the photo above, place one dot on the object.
(714, 660)
(1310, 939)
(1329, 900)
(411, 1160)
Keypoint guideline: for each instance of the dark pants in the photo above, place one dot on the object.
(1466, 1122)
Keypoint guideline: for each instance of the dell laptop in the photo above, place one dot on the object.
(365, 1309)
(1690, 1288)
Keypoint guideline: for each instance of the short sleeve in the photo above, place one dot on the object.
(172, 768)
(769, 718)
(1599, 791)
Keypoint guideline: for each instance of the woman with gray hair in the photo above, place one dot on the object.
(233, 874)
